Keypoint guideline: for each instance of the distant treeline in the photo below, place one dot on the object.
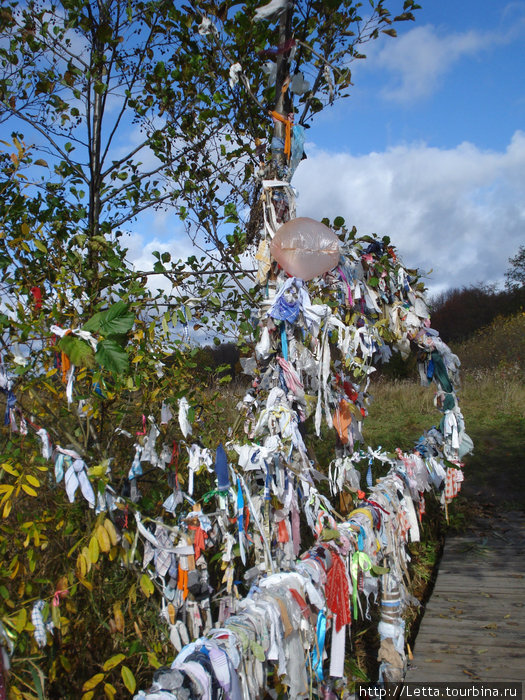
(458, 313)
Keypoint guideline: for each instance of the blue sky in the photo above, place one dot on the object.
(453, 75)
(430, 147)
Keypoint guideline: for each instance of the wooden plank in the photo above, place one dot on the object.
(473, 624)
(462, 654)
(464, 639)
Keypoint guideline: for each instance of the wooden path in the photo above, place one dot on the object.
(474, 623)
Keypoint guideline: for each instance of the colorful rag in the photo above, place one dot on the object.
(338, 592)
(221, 468)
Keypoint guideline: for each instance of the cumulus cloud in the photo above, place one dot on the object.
(415, 63)
(459, 211)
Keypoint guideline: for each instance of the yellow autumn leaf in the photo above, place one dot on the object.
(32, 480)
(113, 661)
(152, 660)
(7, 509)
(85, 554)
(29, 490)
(20, 620)
(119, 618)
(103, 539)
(93, 682)
(110, 691)
(110, 528)
(81, 566)
(98, 470)
(128, 678)
(9, 469)
(146, 585)
(93, 550)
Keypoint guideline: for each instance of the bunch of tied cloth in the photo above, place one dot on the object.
(318, 345)
(297, 622)
(319, 342)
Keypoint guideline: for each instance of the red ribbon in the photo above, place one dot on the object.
(37, 295)
(338, 592)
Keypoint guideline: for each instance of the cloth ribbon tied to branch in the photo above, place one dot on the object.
(288, 123)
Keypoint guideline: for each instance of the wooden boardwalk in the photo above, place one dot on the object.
(474, 623)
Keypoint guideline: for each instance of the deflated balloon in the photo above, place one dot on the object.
(305, 248)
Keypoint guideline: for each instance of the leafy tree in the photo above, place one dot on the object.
(76, 76)
(515, 275)
(117, 108)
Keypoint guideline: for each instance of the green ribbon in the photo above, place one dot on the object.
(216, 492)
(359, 560)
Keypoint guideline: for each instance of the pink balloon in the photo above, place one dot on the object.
(305, 248)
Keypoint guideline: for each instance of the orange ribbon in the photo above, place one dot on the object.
(288, 131)
(182, 582)
(65, 363)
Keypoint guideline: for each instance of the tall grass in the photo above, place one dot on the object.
(399, 413)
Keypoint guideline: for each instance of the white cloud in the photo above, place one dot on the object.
(415, 63)
(417, 60)
(460, 211)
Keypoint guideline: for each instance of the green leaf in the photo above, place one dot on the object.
(117, 320)
(128, 678)
(112, 357)
(40, 246)
(146, 585)
(339, 222)
(79, 352)
(38, 681)
(379, 570)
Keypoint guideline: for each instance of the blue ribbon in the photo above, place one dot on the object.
(317, 654)
(59, 466)
(10, 404)
(240, 507)
(361, 538)
(268, 483)
(221, 468)
(284, 341)
(240, 519)
(369, 479)
(135, 469)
